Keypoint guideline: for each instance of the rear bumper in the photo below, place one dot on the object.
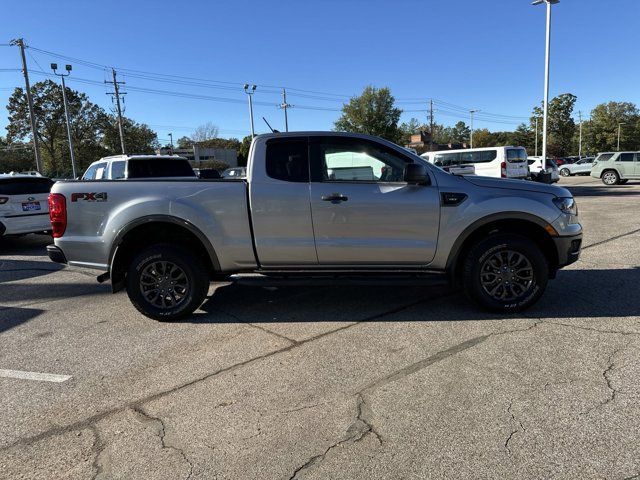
(56, 254)
(568, 249)
(21, 224)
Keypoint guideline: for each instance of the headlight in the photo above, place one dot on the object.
(566, 205)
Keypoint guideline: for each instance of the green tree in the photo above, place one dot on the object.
(16, 157)
(560, 124)
(51, 127)
(460, 133)
(373, 113)
(482, 137)
(185, 142)
(601, 132)
(406, 129)
(138, 138)
(523, 136)
(243, 151)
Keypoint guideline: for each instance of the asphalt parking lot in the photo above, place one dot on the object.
(348, 382)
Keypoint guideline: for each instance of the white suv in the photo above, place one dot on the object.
(24, 204)
(121, 167)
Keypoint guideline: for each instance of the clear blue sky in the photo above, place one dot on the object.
(470, 53)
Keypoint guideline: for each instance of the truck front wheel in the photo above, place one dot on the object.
(505, 273)
(166, 283)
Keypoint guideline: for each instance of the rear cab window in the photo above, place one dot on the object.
(118, 169)
(288, 160)
(159, 168)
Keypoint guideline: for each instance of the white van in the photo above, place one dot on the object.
(500, 162)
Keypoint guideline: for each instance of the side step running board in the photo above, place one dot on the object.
(328, 280)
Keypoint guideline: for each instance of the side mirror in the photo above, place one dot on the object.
(416, 174)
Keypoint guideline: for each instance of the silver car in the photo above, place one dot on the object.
(581, 167)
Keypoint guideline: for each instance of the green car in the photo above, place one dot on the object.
(615, 168)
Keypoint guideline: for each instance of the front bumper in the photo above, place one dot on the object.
(56, 254)
(568, 249)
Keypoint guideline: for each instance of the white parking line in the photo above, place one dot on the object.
(39, 377)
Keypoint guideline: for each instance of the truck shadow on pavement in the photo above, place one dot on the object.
(575, 293)
(12, 270)
(603, 191)
(34, 245)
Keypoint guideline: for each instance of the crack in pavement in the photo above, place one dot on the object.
(363, 423)
(518, 429)
(356, 432)
(161, 434)
(58, 430)
(607, 379)
(98, 447)
(617, 237)
(591, 329)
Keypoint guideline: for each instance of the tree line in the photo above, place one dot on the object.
(374, 112)
(94, 133)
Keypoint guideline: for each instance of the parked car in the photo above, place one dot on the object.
(535, 170)
(23, 204)
(616, 168)
(235, 172)
(207, 173)
(291, 221)
(123, 167)
(499, 162)
(581, 167)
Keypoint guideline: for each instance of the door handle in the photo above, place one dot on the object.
(335, 198)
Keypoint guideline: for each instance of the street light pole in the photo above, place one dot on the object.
(250, 90)
(619, 128)
(54, 67)
(171, 143)
(471, 136)
(547, 55)
(536, 148)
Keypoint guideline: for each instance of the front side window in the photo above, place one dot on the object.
(288, 160)
(626, 157)
(337, 160)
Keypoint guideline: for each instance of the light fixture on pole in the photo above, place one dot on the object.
(471, 139)
(171, 143)
(250, 90)
(54, 67)
(547, 56)
(619, 128)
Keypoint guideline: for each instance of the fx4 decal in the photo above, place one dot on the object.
(89, 197)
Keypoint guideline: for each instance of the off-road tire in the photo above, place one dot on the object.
(476, 262)
(192, 280)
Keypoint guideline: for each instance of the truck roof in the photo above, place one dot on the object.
(140, 157)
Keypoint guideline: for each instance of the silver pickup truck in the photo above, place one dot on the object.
(317, 206)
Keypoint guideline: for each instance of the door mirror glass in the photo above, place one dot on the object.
(416, 174)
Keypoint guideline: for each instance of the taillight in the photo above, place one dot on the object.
(58, 214)
(503, 170)
(3, 200)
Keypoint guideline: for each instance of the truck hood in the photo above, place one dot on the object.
(507, 184)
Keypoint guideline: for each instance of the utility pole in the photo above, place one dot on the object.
(472, 112)
(32, 118)
(580, 141)
(284, 105)
(250, 90)
(54, 67)
(116, 93)
(431, 125)
(619, 128)
(536, 149)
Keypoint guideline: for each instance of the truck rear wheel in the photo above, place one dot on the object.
(166, 283)
(505, 273)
